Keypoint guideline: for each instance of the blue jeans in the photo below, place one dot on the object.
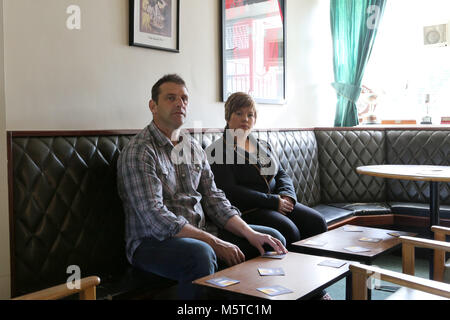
(186, 259)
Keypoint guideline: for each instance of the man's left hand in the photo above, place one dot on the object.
(258, 239)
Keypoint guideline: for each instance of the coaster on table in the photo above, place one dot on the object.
(274, 290)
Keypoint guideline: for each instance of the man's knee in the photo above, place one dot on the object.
(203, 260)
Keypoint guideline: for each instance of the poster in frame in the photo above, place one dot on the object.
(254, 49)
(155, 24)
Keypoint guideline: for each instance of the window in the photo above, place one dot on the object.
(253, 49)
(402, 72)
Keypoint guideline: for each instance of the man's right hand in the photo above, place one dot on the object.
(227, 252)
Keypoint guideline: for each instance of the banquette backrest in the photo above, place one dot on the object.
(297, 151)
(431, 147)
(65, 210)
(340, 152)
(64, 207)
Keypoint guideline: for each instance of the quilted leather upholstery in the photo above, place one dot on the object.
(332, 213)
(297, 152)
(340, 152)
(66, 210)
(206, 138)
(417, 147)
(361, 209)
(418, 209)
(298, 155)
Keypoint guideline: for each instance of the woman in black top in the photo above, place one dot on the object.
(249, 173)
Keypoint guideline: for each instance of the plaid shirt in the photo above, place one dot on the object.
(163, 188)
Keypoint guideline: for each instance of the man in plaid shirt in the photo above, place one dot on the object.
(167, 187)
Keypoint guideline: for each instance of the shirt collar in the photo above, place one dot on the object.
(160, 137)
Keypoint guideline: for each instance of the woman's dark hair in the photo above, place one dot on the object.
(238, 101)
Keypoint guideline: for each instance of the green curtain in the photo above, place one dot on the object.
(354, 25)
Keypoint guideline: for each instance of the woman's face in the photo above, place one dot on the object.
(244, 118)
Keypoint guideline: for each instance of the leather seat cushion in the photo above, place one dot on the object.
(418, 209)
(364, 208)
(333, 214)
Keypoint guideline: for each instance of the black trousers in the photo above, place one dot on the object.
(303, 222)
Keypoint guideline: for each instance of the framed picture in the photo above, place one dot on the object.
(254, 49)
(155, 24)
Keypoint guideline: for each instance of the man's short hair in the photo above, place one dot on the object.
(167, 78)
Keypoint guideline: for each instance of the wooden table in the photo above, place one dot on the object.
(334, 242)
(303, 276)
(432, 174)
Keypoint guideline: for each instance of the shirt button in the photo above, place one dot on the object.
(183, 175)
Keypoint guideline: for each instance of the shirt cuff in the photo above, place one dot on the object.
(180, 222)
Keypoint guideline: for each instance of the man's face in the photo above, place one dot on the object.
(169, 112)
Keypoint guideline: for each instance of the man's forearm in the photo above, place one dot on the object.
(225, 251)
(238, 227)
(189, 231)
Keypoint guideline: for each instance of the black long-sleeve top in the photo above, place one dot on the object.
(249, 181)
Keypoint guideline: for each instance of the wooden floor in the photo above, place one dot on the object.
(392, 262)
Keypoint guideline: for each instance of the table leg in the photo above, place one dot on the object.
(434, 215)
(434, 203)
(369, 289)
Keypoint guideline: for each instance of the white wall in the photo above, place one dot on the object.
(55, 78)
(4, 217)
(92, 79)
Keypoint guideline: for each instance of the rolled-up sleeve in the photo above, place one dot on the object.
(142, 194)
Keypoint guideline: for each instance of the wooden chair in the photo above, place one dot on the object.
(87, 291)
(361, 273)
(439, 246)
(421, 288)
(442, 273)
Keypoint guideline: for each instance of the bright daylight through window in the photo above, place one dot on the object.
(405, 78)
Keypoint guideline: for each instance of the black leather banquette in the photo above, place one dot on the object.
(65, 210)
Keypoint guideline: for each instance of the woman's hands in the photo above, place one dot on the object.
(285, 205)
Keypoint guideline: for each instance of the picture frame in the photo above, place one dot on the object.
(155, 24)
(254, 49)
